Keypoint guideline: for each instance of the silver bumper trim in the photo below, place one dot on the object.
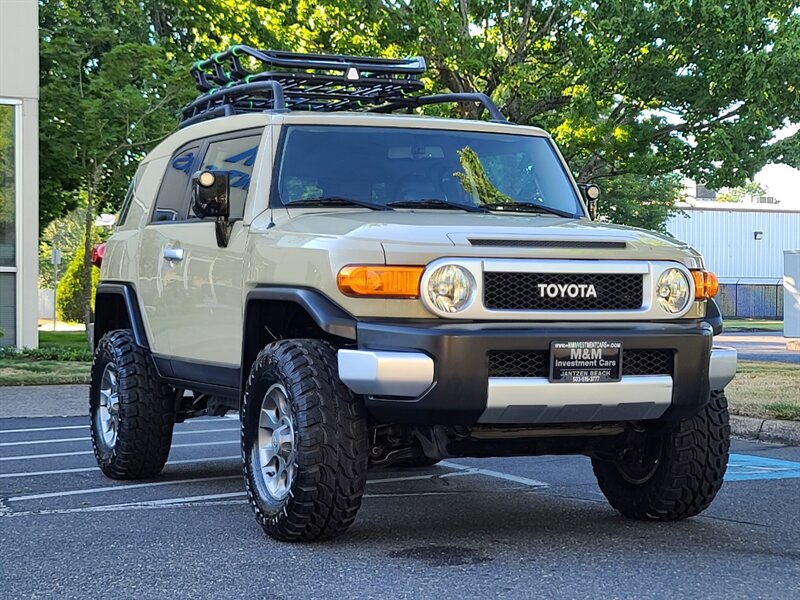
(722, 366)
(373, 373)
(536, 400)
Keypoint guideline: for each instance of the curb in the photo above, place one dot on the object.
(766, 430)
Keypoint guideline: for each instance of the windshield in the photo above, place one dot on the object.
(421, 168)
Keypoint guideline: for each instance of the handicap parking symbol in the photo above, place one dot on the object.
(743, 467)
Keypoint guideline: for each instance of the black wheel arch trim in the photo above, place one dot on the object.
(128, 294)
(714, 316)
(328, 316)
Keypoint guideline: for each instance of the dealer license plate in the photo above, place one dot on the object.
(585, 362)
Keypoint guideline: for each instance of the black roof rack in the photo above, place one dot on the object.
(245, 80)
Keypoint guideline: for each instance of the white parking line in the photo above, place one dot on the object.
(165, 503)
(66, 427)
(84, 439)
(117, 488)
(60, 428)
(496, 474)
(58, 454)
(184, 502)
(421, 477)
(89, 469)
(407, 494)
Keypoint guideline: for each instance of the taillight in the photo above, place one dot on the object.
(97, 254)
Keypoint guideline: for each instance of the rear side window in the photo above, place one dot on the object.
(237, 156)
(126, 204)
(172, 201)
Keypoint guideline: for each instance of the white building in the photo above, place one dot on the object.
(19, 171)
(743, 244)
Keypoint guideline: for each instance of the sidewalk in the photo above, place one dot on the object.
(759, 345)
(44, 401)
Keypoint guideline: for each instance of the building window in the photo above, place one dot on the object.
(8, 193)
(7, 186)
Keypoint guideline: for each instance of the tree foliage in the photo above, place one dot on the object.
(632, 91)
(740, 192)
(72, 292)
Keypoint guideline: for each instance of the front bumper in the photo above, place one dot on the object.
(438, 374)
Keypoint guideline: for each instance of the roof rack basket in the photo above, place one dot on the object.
(245, 80)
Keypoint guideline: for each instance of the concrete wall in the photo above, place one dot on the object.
(19, 86)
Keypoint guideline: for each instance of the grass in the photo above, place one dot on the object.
(63, 339)
(63, 357)
(767, 390)
(30, 371)
(753, 325)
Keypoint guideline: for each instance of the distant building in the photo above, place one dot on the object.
(743, 244)
(19, 171)
(701, 192)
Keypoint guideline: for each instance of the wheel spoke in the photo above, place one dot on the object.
(282, 475)
(274, 452)
(283, 437)
(269, 419)
(267, 456)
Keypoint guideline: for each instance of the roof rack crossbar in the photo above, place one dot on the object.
(226, 67)
(415, 101)
(207, 106)
(311, 82)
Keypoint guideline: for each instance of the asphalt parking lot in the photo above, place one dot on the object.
(511, 528)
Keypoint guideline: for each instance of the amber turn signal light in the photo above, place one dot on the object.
(377, 281)
(706, 285)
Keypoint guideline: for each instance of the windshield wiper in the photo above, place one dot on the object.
(528, 207)
(334, 201)
(434, 203)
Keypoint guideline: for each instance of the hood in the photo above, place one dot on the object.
(409, 237)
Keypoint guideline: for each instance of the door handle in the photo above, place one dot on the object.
(172, 254)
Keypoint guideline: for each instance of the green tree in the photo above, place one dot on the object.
(636, 90)
(629, 89)
(640, 201)
(104, 102)
(739, 193)
(74, 289)
(65, 233)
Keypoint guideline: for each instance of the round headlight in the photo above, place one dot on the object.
(451, 288)
(673, 290)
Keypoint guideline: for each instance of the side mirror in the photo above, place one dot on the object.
(211, 194)
(211, 197)
(590, 193)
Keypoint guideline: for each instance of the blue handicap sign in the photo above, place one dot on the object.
(744, 467)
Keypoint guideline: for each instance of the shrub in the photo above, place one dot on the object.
(72, 289)
(48, 353)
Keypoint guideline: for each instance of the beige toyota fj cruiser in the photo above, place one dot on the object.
(371, 288)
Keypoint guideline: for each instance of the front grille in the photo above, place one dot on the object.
(536, 363)
(521, 363)
(647, 362)
(521, 291)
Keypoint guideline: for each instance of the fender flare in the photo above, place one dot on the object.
(128, 295)
(328, 316)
